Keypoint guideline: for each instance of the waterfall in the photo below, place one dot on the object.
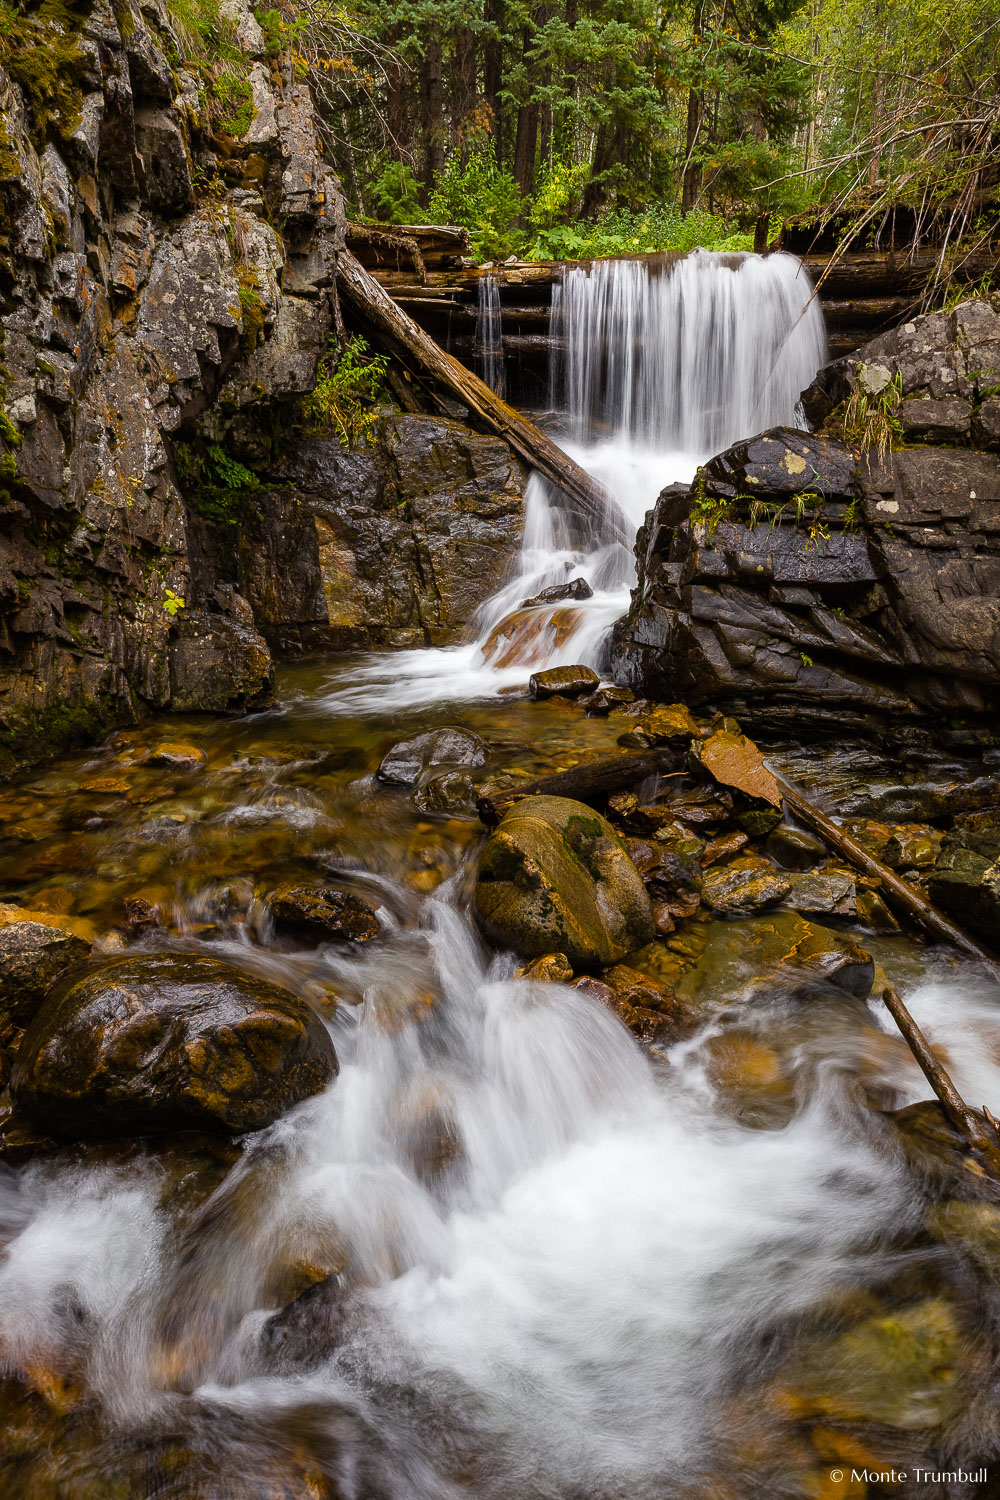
(687, 356)
(489, 334)
(656, 365)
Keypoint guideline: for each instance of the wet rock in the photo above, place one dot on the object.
(552, 968)
(758, 822)
(555, 877)
(661, 725)
(173, 753)
(831, 892)
(605, 699)
(928, 421)
(972, 1229)
(452, 795)
(323, 914)
(649, 1026)
(700, 807)
(794, 849)
(140, 916)
(912, 847)
(563, 682)
(745, 884)
(31, 957)
(874, 913)
(937, 1152)
(577, 588)
(778, 948)
(218, 665)
(406, 762)
(965, 879)
(781, 463)
(168, 1042)
(897, 1368)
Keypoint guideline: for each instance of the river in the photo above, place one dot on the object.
(509, 1252)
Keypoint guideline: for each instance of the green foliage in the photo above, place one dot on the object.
(867, 419)
(213, 482)
(396, 194)
(253, 314)
(349, 386)
(626, 232)
(173, 603)
(475, 191)
(233, 102)
(39, 50)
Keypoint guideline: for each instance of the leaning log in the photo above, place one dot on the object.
(534, 446)
(898, 893)
(965, 1120)
(592, 781)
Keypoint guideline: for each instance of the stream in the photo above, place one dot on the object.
(509, 1253)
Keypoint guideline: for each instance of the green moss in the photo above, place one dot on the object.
(215, 484)
(39, 49)
(253, 313)
(28, 736)
(233, 102)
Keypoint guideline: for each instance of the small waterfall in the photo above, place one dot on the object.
(656, 365)
(687, 356)
(489, 335)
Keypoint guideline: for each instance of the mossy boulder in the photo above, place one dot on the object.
(555, 877)
(168, 1042)
(323, 914)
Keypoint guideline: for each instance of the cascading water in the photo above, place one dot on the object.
(489, 334)
(656, 365)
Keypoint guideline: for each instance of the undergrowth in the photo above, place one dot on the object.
(350, 384)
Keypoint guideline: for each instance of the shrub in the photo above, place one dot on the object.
(349, 384)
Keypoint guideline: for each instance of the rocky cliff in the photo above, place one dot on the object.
(849, 575)
(167, 288)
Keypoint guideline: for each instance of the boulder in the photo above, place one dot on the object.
(605, 699)
(831, 892)
(794, 849)
(31, 956)
(733, 760)
(798, 581)
(451, 795)
(322, 913)
(219, 665)
(554, 877)
(563, 682)
(965, 881)
(168, 1042)
(745, 884)
(406, 762)
(578, 588)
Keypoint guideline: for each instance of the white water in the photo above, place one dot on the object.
(655, 367)
(489, 335)
(572, 1309)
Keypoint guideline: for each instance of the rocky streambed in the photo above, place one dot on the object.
(349, 1149)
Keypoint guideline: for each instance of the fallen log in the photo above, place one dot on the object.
(594, 779)
(898, 893)
(534, 446)
(965, 1120)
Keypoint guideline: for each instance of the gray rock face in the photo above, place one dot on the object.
(804, 580)
(129, 317)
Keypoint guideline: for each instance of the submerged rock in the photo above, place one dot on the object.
(794, 849)
(563, 682)
(777, 948)
(323, 913)
(405, 763)
(168, 1042)
(555, 877)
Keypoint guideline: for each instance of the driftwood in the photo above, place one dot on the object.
(900, 895)
(534, 446)
(968, 1124)
(593, 780)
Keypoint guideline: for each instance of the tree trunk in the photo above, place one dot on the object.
(493, 15)
(528, 441)
(464, 90)
(433, 113)
(525, 145)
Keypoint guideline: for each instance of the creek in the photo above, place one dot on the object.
(508, 1252)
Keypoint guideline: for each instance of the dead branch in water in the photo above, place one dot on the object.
(965, 1120)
